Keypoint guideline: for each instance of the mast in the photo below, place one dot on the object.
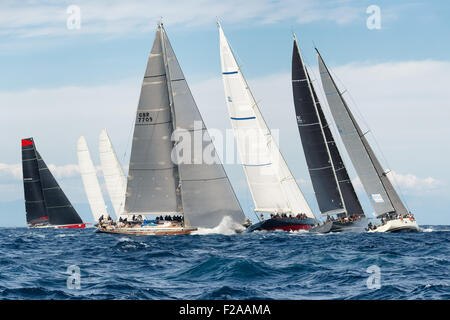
(270, 180)
(90, 181)
(315, 145)
(382, 194)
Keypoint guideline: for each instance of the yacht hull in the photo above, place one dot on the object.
(398, 225)
(355, 226)
(66, 226)
(146, 231)
(283, 224)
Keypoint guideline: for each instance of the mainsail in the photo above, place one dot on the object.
(382, 194)
(152, 186)
(34, 197)
(332, 186)
(271, 183)
(159, 180)
(115, 180)
(58, 209)
(90, 180)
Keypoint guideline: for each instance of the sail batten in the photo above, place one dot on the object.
(271, 183)
(382, 194)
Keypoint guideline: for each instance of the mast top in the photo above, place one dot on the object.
(160, 22)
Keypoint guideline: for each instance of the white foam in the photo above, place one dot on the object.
(227, 227)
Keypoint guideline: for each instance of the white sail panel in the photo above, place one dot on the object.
(115, 180)
(90, 181)
(271, 183)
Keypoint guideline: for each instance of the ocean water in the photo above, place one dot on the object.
(263, 265)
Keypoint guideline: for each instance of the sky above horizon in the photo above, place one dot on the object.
(57, 83)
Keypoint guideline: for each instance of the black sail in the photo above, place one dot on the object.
(59, 208)
(324, 162)
(36, 211)
(314, 147)
(351, 201)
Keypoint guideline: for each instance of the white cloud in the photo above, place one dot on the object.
(405, 182)
(412, 182)
(31, 18)
(15, 171)
(11, 171)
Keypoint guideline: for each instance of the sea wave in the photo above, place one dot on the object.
(220, 264)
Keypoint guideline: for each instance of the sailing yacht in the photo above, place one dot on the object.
(272, 186)
(332, 186)
(384, 199)
(165, 178)
(46, 204)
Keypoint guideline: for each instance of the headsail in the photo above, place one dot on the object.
(207, 194)
(34, 198)
(90, 180)
(271, 183)
(115, 180)
(382, 194)
(60, 210)
(333, 189)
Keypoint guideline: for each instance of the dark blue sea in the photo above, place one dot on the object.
(265, 265)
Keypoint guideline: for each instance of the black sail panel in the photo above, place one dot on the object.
(59, 208)
(36, 211)
(351, 201)
(313, 142)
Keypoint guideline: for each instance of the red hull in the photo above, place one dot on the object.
(72, 226)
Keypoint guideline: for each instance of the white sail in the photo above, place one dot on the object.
(90, 181)
(115, 180)
(272, 185)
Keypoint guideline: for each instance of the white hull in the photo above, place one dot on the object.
(165, 229)
(398, 225)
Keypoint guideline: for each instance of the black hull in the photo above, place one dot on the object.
(284, 224)
(356, 226)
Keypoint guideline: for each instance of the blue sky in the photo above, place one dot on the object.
(56, 83)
